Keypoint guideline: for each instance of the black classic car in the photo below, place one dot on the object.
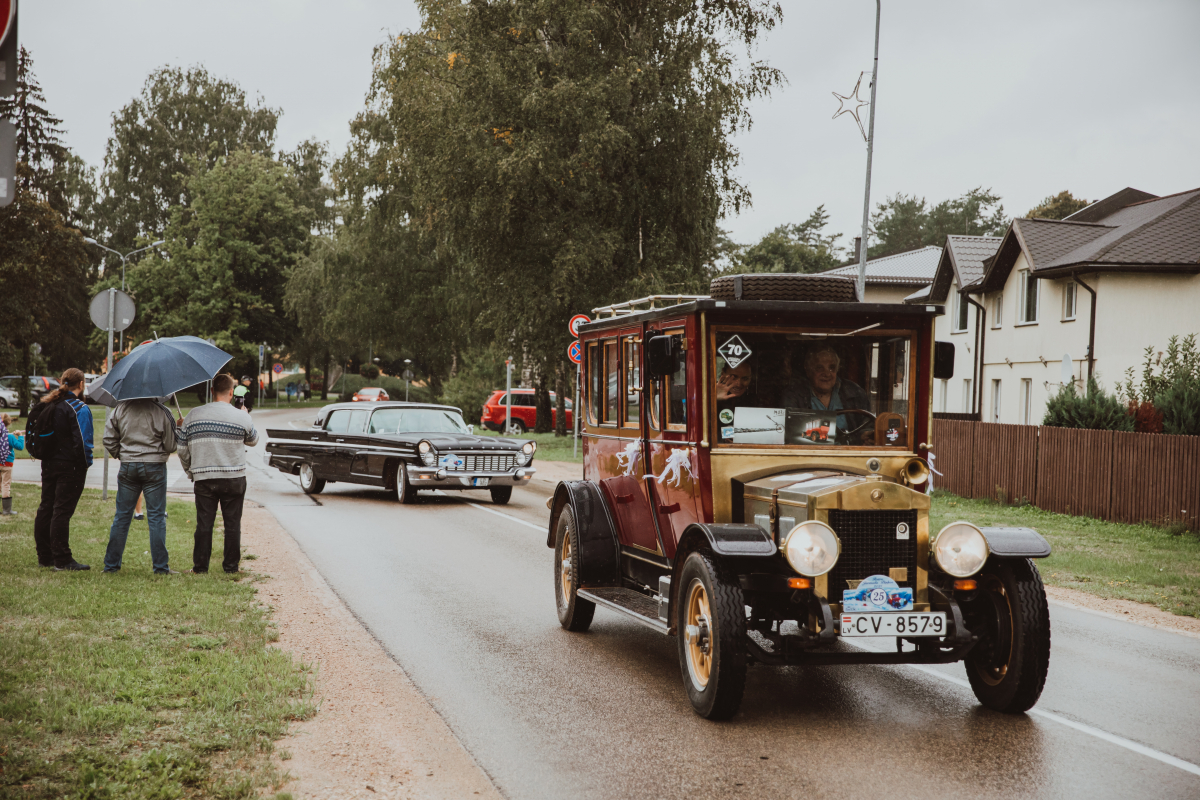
(402, 447)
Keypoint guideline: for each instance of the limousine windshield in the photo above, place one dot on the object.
(809, 387)
(417, 420)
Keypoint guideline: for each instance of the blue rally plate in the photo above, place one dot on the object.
(877, 593)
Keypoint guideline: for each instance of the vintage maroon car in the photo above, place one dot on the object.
(754, 485)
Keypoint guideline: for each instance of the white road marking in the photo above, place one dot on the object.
(1111, 738)
(498, 513)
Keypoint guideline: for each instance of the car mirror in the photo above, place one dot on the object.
(660, 354)
(943, 360)
(471, 428)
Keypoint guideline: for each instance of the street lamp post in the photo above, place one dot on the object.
(407, 377)
(124, 259)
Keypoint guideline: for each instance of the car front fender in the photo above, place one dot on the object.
(599, 547)
(1016, 543)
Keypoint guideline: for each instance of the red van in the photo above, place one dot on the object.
(524, 410)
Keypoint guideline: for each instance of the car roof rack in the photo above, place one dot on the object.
(646, 304)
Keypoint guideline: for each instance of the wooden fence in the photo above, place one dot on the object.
(1125, 477)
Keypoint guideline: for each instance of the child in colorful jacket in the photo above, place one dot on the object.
(9, 442)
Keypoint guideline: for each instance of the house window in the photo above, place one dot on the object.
(1028, 307)
(995, 401)
(1069, 296)
(943, 390)
(960, 317)
(1026, 401)
(968, 404)
(998, 310)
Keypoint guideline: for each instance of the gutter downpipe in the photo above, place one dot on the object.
(980, 341)
(1091, 328)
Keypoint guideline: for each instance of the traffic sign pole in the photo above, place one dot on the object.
(112, 318)
(575, 445)
(507, 397)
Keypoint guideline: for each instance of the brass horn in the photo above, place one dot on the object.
(916, 471)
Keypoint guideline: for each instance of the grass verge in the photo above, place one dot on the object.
(550, 447)
(132, 685)
(1144, 563)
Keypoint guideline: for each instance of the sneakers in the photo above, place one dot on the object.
(74, 566)
(139, 516)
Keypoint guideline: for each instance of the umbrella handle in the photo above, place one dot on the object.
(175, 397)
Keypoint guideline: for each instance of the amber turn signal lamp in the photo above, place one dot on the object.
(964, 586)
(799, 583)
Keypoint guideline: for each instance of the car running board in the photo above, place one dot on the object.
(634, 604)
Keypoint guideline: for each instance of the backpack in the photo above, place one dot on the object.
(39, 431)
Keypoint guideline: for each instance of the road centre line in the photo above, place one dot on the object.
(497, 513)
(1111, 738)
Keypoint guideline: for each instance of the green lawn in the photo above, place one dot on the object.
(550, 447)
(133, 685)
(1145, 563)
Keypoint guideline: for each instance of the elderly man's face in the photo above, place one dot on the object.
(822, 372)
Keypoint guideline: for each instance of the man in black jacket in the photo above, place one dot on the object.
(68, 456)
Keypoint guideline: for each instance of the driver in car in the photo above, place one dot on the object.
(732, 390)
(822, 390)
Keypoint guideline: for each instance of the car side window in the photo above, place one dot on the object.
(612, 382)
(595, 373)
(358, 421)
(676, 385)
(632, 358)
(338, 422)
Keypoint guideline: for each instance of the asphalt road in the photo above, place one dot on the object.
(461, 594)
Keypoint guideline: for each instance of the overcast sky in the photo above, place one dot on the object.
(1027, 97)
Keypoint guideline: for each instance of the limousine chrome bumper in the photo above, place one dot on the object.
(434, 477)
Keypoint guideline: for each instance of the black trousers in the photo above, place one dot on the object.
(62, 485)
(229, 494)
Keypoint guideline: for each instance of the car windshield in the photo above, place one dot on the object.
(417, 420)
(814, 388)
(368, 391)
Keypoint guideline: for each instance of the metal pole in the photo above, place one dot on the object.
(575, 446)
(112, 314)
(507, 395)
(123, 260)
(862, 250)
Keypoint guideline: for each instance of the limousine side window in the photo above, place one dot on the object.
(339, 421)
(358, 421)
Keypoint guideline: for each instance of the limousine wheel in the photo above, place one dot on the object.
(501, 494)
(405, 492)
(574, 613)
(1007, 669)
(711, 620)
(309, 482)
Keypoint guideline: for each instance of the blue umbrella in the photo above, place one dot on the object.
(163, 367)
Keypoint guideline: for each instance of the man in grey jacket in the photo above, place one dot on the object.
(141, 435)
(212, 449)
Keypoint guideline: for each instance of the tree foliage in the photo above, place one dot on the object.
(39, 133)
(228, 252)
(903, 223)
(1096, 410)
(1171, 395)
(1058, 206)
(548, 156)
(802, 247)
(181, 123)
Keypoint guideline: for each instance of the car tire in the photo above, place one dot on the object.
(309, 482)
(405, 492)
(1007, 668)
(516, 428)
(574, 613)
(710, 616)
(501, 494)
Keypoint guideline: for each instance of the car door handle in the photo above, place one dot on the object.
(671, 509)
(622, 499)
(316, 438)
(339, 440)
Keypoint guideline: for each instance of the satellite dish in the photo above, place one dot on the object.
(1068, 371)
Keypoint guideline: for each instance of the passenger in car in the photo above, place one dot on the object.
(821, 389)
(733, 387)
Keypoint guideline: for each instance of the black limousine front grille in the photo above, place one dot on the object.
(479, 463)
(870, 547)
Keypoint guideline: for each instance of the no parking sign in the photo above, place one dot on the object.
(575, 353)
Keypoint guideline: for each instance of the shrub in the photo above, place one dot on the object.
(1174, 391)
(480, 372)
(1096, 410)
(1146, 418)
(369, 371)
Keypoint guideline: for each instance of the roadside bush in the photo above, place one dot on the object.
(1095, 410)
(1173, 392)
(480, 372)
(369, 371)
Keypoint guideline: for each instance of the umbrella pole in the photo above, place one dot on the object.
(175, 397)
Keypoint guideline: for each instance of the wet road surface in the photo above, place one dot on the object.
(462, 597)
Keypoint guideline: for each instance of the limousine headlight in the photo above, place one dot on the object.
(428, 454)
(812, 548)
(961, 549)
(525, 453)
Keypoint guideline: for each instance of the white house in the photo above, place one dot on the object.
(1100, 286)
(891, 278)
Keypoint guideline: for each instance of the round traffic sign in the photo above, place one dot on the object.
(123, 310)
(277, 369)
(8, 16)
(576, 321)
(575, 353)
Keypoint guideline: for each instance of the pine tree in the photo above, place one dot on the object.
(39, 135)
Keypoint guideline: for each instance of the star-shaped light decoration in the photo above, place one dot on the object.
(852, 100)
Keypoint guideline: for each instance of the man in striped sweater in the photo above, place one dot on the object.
(212, 449)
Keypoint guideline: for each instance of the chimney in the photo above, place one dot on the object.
(857, 247)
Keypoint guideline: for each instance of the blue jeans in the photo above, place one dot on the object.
(139, 478)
